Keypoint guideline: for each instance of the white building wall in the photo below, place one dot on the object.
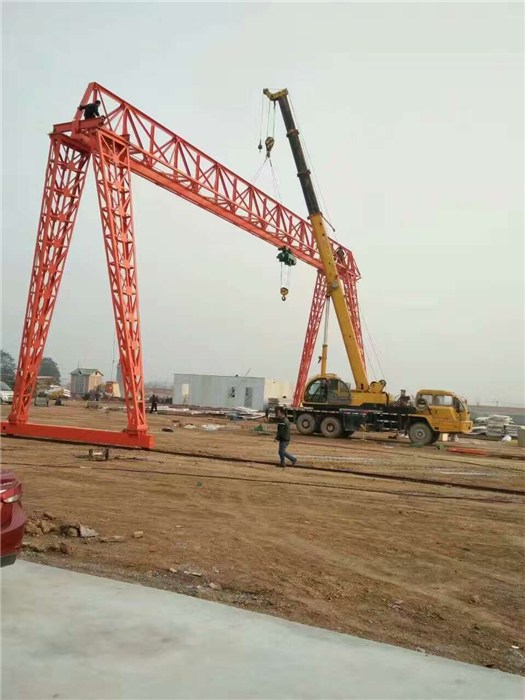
(226, 392)
(277, 389)
(120, 380)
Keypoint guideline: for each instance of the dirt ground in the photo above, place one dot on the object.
(423, 548)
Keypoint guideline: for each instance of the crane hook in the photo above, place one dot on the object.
(269, 145)
(284, 293)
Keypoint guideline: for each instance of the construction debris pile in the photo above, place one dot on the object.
(500, 426)
(239, 413)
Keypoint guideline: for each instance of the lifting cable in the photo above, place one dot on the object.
(258, 172)
(287, 260)
(275, 181)
(270, 139)
(261, 123)
(285, 256)
(373, 346)
(325, 206)
(369, 363)
(260, 146)
(310, 163)
(286, 278)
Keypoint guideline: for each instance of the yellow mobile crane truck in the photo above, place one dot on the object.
(329, 405)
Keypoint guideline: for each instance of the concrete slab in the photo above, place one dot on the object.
(69, 635)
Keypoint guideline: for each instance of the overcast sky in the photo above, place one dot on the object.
(413, 116)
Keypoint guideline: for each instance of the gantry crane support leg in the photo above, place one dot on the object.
(113, 176)
(312, 331)
(314, 321)
(350, 290)
(64, 182)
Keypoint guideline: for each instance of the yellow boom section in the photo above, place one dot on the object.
(335, 291)
(334, 286)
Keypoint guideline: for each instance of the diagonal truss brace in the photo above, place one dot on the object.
(63, 186)
(113, 178)
(312, 331)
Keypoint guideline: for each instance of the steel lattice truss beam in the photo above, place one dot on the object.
(128, 141)
(113, 176)
(312, 331)
(63, 185)
(160, 155)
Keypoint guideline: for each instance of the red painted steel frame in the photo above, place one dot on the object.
(312, 331)
(65, 177)
(64, 182)
(129, 141)
(88, 436)
(158, 154)
(169, 161)
(113, 176)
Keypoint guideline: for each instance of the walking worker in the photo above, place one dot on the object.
(90, 110)
(283, 437)
(154, 403)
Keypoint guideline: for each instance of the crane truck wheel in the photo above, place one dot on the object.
(306, 423)
(331, 427)
(420, 434)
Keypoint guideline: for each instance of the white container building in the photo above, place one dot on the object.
(217, 391)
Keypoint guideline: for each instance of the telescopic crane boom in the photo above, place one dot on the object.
(334, 287)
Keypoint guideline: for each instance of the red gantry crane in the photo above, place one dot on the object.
(123, 142)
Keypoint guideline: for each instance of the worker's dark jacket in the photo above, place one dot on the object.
(283, 430)
(90, 110)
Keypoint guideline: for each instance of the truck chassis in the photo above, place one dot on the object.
(338, 422)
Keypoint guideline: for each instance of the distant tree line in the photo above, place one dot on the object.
(48, 368)
(7, 368)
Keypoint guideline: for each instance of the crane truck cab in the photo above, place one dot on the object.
(437, 411)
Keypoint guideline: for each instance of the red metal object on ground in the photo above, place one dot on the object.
(127, 141)
(468, 451)
(12, 518)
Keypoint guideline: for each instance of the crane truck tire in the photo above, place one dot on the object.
(331, 427)
(306, 423)
(421, 434)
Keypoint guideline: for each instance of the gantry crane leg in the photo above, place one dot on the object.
(113, 177)
(63, 186)
(349, 281)
(312, 331)
(64, 183)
